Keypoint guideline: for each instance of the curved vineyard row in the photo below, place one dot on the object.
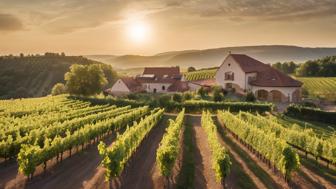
(31, 156)
(11, 147)
(274, 149)
(320, 86)
(22, 126)
(200, 75)
(221, 162)
(116, 157)
(305, 139)
(169, 148)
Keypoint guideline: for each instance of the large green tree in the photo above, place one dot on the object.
(85, 80)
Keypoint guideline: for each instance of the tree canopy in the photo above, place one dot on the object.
(325, 67)
(85, 80)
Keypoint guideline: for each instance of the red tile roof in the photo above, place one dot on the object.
(274, 78)
(160, 72)
(266, 75)
(205, 82)
(248, 64)
(132, 84)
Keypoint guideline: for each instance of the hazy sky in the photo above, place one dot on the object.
(153, 26)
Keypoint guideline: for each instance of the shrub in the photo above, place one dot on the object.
(250, 97)
(311, 114)
(218, 96)
(187, 96)
(177, 97)
(59, 88)
(202, 92)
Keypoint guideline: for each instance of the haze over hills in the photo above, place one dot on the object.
(214, 57)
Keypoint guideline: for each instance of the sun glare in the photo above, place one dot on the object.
(137, 31)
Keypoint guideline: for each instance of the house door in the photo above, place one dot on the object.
(276, 96)
(154, 90)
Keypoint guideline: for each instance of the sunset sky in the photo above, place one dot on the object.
(152, 26)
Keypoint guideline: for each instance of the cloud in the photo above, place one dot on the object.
(63, 16)
(9, 22)
(264, 9)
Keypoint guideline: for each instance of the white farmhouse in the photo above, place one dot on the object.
(242, 74)
(153, 80)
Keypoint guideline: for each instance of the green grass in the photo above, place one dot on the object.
(186, 177)
(321, 129)
(323, 87)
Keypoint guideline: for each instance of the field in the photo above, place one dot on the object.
(62, 142)
(323, 87)
(200, 75)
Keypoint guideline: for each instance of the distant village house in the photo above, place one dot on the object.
(238, 73)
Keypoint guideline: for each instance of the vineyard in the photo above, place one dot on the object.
(200, 75)
(324, 87)
(63, 142)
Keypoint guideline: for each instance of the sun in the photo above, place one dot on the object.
(138, 31)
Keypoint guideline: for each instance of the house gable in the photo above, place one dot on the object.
(230, 67)
(120, 86)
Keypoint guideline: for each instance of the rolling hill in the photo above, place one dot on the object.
(34, 76)
(213, 57)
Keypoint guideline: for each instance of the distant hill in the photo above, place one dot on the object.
(214, 57)
(34, 76)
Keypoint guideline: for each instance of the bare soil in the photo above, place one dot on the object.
(72, 172)
(141, 171)
(204, 175)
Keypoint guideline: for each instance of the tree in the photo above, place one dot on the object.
(191, 69)
(85, 80)
(59, 88)
(110, 74)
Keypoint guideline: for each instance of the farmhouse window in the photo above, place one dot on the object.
(229, 76)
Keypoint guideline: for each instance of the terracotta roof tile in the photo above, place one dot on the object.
(131, 83)
(266, 75)
(248, 64)
(160, 72)
(205, 82)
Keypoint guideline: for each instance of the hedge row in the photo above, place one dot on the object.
(311, 114)
(191, 106)
(112, 101)
(198, 106)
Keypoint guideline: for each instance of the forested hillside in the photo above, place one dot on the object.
(323, 67)
(34, 76)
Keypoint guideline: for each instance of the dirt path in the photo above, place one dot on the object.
(204, 175)
(141, 170)
(260, 178)
(254, 178)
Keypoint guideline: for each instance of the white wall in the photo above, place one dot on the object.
(286, 91)
(158, 86)
(119, 87)
(239, 74)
